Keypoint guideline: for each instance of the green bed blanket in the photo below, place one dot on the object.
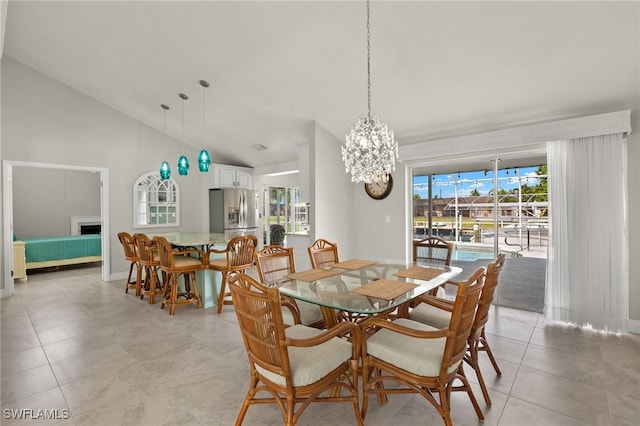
(59, 248)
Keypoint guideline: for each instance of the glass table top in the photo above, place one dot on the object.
(193, 239)
(365, 287)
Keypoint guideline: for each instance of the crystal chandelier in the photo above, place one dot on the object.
(371, 151)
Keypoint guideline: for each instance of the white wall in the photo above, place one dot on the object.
(331, 194)
(633, 147)
(46, 199)
(46, 122)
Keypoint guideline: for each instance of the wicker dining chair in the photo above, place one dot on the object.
(131, 255)
(432, 251)
(436, 312)
(323, 253)
(295, 365)
(176, 264)
(417, 358)
(239, 256)
(274, 263)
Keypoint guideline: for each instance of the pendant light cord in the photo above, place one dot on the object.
(368, 62)
(203, 115)
(182, 126)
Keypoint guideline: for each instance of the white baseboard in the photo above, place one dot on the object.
(634, 326)
(118, 276)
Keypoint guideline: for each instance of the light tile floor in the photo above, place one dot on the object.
(75, 344)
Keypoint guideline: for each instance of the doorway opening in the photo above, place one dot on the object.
(8, 230)
(283, 213)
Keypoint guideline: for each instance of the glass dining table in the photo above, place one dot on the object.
(360, 288)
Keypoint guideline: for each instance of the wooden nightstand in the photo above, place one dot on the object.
(19, 261)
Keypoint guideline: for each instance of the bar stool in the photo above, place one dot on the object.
(150, 261)
(174, 264)
(131, 254)
(239, 256)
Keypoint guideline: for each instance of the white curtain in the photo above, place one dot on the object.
(588, 264)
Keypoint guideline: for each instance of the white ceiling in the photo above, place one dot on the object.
(438, 68)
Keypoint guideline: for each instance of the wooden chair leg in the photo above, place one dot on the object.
(485, 347)
(128, 283)
(153, 285)
(174, 294)
(138, 280)
(472, 360)
(144, 283)
(223, 288)
(196, 292)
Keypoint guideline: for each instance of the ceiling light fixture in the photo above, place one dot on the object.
(183, 161)
(165, 168)
(204, 160)
(371, 151)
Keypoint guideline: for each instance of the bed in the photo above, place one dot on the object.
(58, 251)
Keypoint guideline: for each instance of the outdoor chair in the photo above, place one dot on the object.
(276, 234)
(295, 365)
(417, 358)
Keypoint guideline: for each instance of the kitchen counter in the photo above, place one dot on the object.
(303, 233)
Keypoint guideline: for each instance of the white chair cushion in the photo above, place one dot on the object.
(308, 365)
(309, 313)
(430, 315)
(418, 356)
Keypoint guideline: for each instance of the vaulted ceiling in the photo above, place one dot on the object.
(438, 68)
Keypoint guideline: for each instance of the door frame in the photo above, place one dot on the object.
(7, 211)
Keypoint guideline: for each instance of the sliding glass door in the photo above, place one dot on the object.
(486, 212)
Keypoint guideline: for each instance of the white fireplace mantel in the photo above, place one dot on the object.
(78, 221)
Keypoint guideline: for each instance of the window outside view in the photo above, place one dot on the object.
(463, 211)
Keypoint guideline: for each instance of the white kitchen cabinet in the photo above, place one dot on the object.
(232, 176)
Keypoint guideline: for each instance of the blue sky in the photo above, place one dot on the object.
(444, 185)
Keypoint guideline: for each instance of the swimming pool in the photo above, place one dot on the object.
(471, 253)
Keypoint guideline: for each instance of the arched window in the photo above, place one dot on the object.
(156, 202)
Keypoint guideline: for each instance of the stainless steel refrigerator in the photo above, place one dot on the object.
(234, 211)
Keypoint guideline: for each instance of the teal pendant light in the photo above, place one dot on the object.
(204, 160)
(165, 168)
(183, 161)
(183, 166)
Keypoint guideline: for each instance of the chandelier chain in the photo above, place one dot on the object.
(368, 62)
(371, 150)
